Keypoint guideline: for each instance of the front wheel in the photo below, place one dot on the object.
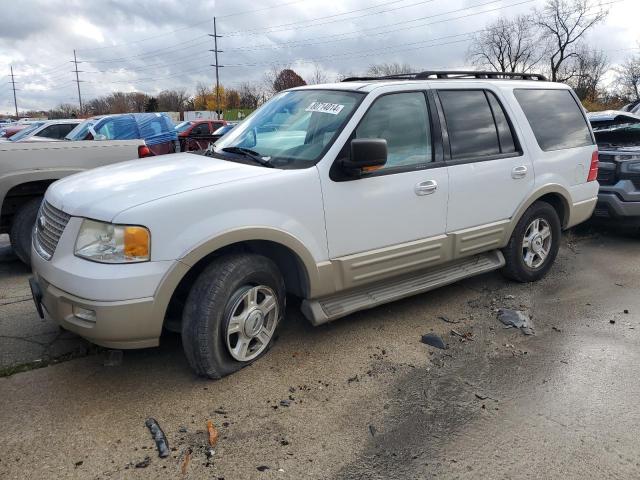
(232, 313)
(534, 244)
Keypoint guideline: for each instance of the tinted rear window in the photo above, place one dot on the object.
(555, 118)
(476, 123)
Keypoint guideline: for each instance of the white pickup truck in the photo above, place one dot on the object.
(27, 170)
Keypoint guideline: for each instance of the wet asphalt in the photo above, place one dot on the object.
(361, 398)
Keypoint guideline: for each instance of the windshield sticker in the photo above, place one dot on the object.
(332, 108)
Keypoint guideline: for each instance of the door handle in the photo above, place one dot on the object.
(519, 172)
(426, 188)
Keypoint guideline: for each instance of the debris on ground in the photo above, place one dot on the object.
(463, 336)
(556, 329)
(185, 462)
(372, 430)
(626, 311)
(213, 433)
(516, 319)
(78, 464)
(433, 340)
(158, 436)
(285, 403)
(481, 396)
(112, 358)
(612, 321)
(447, 319)
(262, 468)
(144, 463)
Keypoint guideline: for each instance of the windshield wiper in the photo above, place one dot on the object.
(247, 152)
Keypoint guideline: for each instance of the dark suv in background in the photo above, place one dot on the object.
(618, 136)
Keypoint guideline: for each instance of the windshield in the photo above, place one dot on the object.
(81, 130)
(181, 127)
(26, 132)
(294, 127)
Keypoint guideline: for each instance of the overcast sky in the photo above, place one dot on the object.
(150, 45)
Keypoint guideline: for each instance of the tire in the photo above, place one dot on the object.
(220, 302)
(21, 229)
(527, 264)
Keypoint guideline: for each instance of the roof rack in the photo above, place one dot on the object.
(444, 74)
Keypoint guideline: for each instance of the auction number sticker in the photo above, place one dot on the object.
(332, 108)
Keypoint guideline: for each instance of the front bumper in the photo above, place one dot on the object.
(619, 203)
(115, 306)
(123, 325)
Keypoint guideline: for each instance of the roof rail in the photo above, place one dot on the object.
(446, 74)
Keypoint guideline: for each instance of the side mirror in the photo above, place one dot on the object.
(366, 153)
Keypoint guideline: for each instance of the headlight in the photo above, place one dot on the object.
(108, 243)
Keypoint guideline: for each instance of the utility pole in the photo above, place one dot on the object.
(217, 65)
(75, 62)
(13, 84)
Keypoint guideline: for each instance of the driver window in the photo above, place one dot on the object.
(401, 119)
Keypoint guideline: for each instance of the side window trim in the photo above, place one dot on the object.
(481, 158)
(436, 143)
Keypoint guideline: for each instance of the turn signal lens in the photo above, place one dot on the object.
(136, 242)
(593, 169)
(144, 151)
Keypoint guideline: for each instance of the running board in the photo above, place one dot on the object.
(327, 309)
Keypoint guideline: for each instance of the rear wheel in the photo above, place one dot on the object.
(534, 244)
(232, 313)
(22, 228)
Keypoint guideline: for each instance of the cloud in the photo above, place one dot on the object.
(152, 45)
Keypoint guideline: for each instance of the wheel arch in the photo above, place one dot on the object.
(555, 195)
(302, 275)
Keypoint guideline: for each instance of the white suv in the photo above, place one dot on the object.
(345, 195)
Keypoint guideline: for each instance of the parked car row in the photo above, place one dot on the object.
(198, 134)
(44, 130)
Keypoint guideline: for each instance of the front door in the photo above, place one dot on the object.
(379, 223)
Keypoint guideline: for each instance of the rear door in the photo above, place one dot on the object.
(490, 174)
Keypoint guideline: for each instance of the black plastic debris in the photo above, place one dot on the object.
(433, 340)
(262, 468)
(447, 319)
(158, 436)
(516, 319)
(372, 430)
(144, 463)
(285, 403)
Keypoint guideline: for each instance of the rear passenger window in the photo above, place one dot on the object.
(402, 120)
(555, 118)
(476, 124)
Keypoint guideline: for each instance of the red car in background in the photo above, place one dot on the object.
(196, 134)
(13, 129)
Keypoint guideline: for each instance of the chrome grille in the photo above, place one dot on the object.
(50, 224)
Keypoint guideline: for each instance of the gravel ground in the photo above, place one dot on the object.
(359, 398)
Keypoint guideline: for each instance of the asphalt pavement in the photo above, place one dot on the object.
(361, 398)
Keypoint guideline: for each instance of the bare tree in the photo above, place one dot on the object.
(564, 23)
(628, 78)
(172, 100)
(384, 69)
(507, 46)
(249, 95)
(589, 66)
(318, 76)
(137, 101)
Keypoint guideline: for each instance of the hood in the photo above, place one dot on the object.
(104, 192)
